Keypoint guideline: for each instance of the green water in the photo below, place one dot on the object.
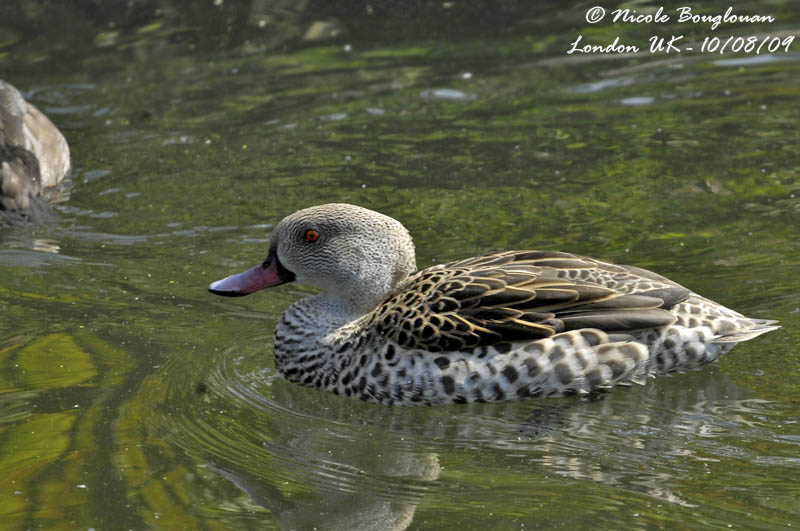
(131, 398)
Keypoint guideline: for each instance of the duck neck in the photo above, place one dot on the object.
(327, 318)
(338, 310)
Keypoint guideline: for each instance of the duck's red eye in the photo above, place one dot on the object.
(312, 235)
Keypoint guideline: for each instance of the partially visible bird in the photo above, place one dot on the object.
(34, 158)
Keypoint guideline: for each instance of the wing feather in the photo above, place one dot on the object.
(523, 296)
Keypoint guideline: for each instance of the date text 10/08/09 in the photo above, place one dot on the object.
(732, 44)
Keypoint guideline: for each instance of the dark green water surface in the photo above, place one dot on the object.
(130, 398)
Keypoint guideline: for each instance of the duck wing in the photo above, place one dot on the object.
(523, 296)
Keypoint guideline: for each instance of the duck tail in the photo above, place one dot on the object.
(760, 326)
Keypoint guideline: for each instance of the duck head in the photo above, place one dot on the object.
(356, 256)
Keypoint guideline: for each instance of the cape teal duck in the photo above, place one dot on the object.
(500, 326)
(34, 157)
